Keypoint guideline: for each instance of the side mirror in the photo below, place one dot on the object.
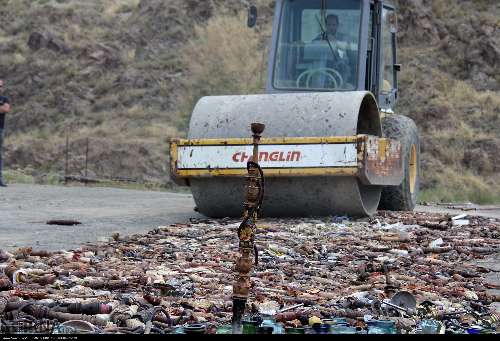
(397, 67)
(252, 16)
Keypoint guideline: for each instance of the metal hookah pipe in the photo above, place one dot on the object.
(246, 232)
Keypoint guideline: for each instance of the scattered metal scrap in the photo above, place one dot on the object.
(389, 274)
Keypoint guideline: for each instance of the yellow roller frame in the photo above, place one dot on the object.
(270, 172)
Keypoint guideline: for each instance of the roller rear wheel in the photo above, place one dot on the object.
(403, 197)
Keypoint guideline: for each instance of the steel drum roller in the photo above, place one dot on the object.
(287, 115)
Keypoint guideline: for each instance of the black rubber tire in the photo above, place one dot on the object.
(400, 198)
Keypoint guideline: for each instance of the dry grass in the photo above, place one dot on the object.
(452, 186)
(454, 120)
(114, 7)
(225, 58)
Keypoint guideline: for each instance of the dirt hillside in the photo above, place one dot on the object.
(124, 74)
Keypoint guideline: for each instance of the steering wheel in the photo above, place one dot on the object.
(332, 74)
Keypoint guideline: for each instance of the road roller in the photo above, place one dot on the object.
(332, 145)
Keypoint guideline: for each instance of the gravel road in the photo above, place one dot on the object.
(25, 209)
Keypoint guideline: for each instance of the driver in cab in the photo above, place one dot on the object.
(338, 45)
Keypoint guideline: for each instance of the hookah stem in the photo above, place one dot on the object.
(256, 208)
(246, 234)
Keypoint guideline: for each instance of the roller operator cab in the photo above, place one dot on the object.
(335, 45)
(332, 144)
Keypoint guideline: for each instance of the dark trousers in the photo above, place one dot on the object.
(1, 146)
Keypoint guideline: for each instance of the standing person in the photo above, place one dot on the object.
(4, 109)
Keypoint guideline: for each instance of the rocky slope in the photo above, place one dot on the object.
(451, 86)
(120, 73)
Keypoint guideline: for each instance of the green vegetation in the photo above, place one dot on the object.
(18, 176)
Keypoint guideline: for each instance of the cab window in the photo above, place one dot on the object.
(318, 45)
(387, 57)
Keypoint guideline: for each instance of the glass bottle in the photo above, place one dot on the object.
(270, 321)
(225, 329)
(250, 326)
(295, 330)
(381, 327)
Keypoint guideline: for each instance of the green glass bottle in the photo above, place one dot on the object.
(225, 329)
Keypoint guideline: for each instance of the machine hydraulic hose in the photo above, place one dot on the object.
(247, 230)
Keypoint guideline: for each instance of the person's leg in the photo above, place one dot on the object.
(1, 146)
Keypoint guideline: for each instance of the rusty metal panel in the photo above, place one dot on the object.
(382, 162)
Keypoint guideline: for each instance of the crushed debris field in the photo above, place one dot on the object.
(393, 273)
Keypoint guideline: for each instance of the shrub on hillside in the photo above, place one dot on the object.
(224, 58)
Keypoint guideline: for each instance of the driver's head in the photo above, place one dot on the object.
(332, 24)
